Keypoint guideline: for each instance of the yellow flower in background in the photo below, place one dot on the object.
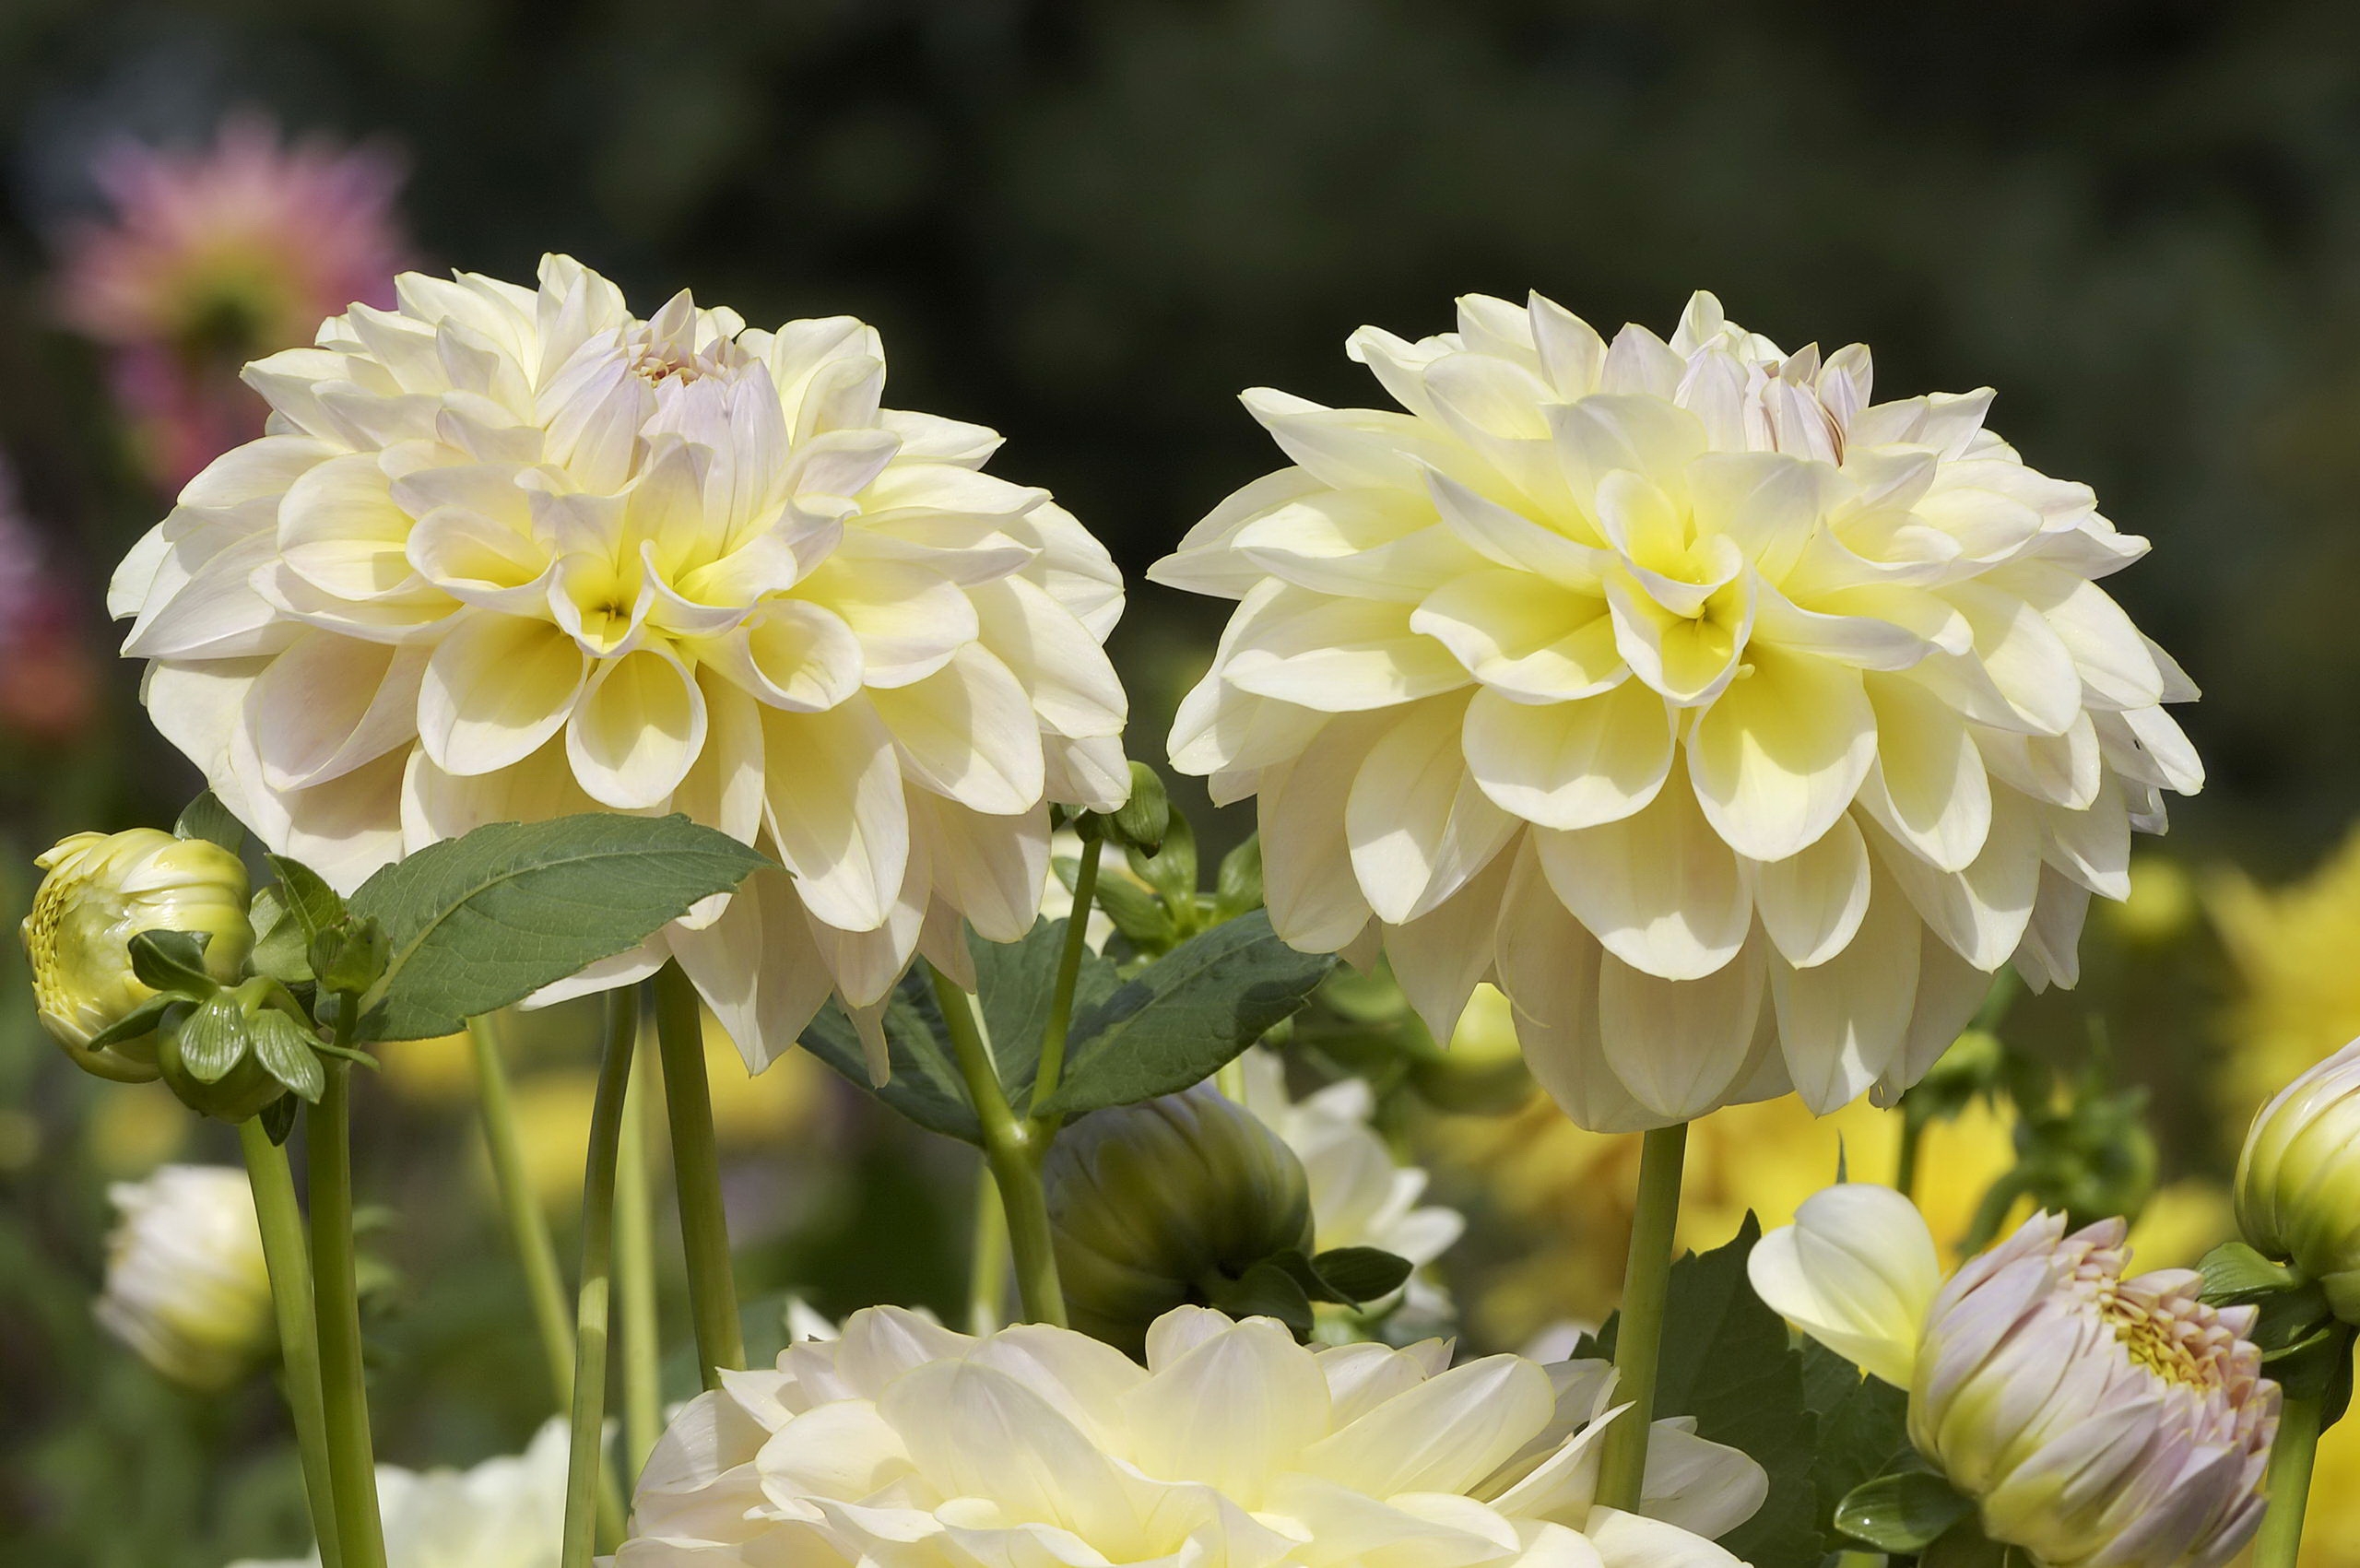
(1569, 1191)
(2331, 1522)
(1738, 727)
(512, 553)
(438, 1072)
(135, 1128)
(2298, 998)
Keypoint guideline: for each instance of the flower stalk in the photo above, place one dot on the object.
(1012, 1149)
(288, 1260)
(529, 1227)
(1052, 1033)
(696, 1177)
(335, 1297)
(987, 1264)
(2279, 1543)
(635, 1278)
(592, 1310)
(1647, 1282)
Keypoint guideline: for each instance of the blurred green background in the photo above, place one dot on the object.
(1090, 226)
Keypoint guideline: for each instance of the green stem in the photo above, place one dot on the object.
(2280, 1542)
(988, 1269)
(696, 1177)
(584, 1460)
(1904, 1170)
(528, 1227)
(1052, 1033)
(344, 1386)
(1012, 1147)
(636, 1280)
(1646, 1279)
(288, 1260)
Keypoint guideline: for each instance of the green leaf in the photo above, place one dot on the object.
(213, 1039)
(205, 818)
(1238, 886)
(1137, 912)
(925, 1086)
(1358, 1275)
(1179, 1020)
(1863, 1429)
(1905, 1511)
(279, 1119)
(307, 896)
(172, 962)
(1268, 1290)
(479, 922)
(284, 1047)
(1016, 981)
(139, 1021)
(281, 949)
(1727, 1361)
(2235, 1274)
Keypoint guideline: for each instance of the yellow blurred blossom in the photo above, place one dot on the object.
(135, 1128)
(2163, 902)
(750, 1111)
(2299, 991)
(553, 1124)
(441, 1071)
(2331, 1522)
(2181, 1222)
(1572, 1188)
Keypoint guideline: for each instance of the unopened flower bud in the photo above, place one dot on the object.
(2298, 1180)
(186, 1285)
(102, 890)
(1168, 1202)
(216, 1060)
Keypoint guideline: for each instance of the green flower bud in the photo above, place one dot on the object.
(102, 890)
(1166, 1203)
(2298, 1180)
(209, 1057)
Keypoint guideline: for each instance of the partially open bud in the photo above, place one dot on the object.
(2298, 1180)
(102, 890)
(186, 1285)
(1168, 1202)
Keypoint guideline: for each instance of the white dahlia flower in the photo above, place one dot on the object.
(903, 1442)
(1739, 729)
(2093, 1419)
(186, 1286)
(507, 554)
(1361, 1195)
(508, 1512)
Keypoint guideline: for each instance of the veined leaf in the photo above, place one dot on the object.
(482, 921)
(925, 1085)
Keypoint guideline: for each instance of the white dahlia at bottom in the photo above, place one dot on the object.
(506, 554)
(1738, 728)
(903, 1443)
(2095, 1420)
(508, 1512)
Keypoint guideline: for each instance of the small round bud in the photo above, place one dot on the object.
(1143, 819)
(209, 1057)
(2298, 1180)
(102, 890)
(186, 1284)
(1165, 1203)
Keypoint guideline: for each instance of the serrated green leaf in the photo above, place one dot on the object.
(1863, 1430)
(925, 1086)
(213, 1039)
(1179, 1020)
(205, 818)
(172, 962)
(306, 895)
(1360, 1275)
(1727, 1361)
(284, 1049)
(1016, 981)
(1908, 1511)
(479, 922)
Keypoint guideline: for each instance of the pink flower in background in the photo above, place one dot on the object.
(47, 679)
(218, 256)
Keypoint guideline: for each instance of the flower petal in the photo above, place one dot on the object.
(494, 689)
(1660, 889)
(1574, 764)
(1780, 755)
(1857, 1272)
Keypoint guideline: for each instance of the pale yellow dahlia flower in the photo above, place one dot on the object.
(903, 1442)
(186, 1285)
(2095, 1419)
(508, 554)
(1738, 727)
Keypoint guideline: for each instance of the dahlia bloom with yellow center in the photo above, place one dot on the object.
(1738, 727)
(903, 1442)
(507, 554)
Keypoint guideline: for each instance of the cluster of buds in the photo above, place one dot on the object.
(146, 965)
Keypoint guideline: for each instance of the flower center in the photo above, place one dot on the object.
(2170, 1332)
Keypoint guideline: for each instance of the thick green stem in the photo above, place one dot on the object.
(584, 1460)
(1646, 1279)
(2280, 1543)
(988, 1272)
(1904, 1168)
(636, 1280)
(1052, 1033)
(1012, 1147)
(288, 1260)
(344, 1388)
(529, 1227)
(696, 1177)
